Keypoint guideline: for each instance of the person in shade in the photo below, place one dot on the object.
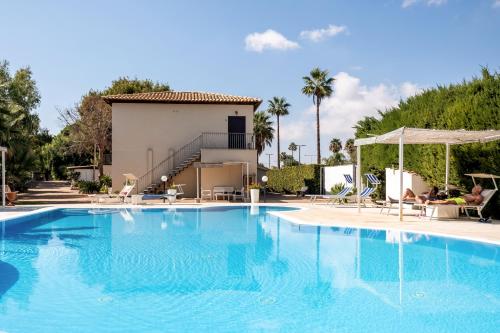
(431, 195)
(473, 198)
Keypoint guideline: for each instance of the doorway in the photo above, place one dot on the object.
(236, 129)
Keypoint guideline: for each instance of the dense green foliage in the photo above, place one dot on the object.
(19, 125)
(291, 178)
(473, 105)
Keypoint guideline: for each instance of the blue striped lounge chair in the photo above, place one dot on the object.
(332, 198)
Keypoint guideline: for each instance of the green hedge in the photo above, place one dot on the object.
(291, 178)
(470, 105)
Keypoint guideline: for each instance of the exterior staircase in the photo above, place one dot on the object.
(185, 156)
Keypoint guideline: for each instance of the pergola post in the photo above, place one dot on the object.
(248, 180)
(447, 172)
(3, 177)
(358, 177)
(198, 184)
(401, 155)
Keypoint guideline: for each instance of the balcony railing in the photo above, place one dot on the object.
(221, 140)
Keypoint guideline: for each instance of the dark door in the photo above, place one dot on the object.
(236, 132)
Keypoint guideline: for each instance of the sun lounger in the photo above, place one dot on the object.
(487, 195)
(339, 197)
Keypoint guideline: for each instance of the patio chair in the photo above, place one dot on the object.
(339, 197)
(366, 194)
(239, 194)
(206, 194)
(372, 179)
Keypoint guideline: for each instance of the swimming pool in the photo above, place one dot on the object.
(237, 269)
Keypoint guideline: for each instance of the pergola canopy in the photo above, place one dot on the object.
(403, 135)
(431, 136)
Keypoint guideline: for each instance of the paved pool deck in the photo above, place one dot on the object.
(340, 216)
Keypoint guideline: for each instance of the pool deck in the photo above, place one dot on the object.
(339, 216)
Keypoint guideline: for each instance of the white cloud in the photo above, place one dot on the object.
(408, 3)
(350, 102)
(496, 4)
(268, 40)
(320, 34)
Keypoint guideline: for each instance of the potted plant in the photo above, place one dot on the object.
(172, 193)
(254, 193)
(172, 189)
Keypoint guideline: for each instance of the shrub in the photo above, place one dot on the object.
(105, 182)
(291, 178)
(89, 186)
(337, 188)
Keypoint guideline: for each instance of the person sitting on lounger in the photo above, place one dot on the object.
(425, 196)
(473, 198)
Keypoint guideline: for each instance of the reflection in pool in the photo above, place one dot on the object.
(237, 269)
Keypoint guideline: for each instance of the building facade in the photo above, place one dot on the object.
(166, 133)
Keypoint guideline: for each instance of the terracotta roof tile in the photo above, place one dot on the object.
(182, 97)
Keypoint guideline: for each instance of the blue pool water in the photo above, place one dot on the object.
(237, 270)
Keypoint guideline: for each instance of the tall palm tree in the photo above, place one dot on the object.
(278, 106)
(263, 131)
(292, 147)
(318, 85)
(350, 149)
(335, 146)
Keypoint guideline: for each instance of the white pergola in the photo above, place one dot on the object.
(403, 135)
(3, 150)
(202, 165)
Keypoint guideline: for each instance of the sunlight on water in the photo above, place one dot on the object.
(237, 269)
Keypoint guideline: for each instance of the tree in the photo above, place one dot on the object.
(334, 159)
(287, 160)
(89, 123)
(263, 131)
(90, 127)
(335, 146)
(471, 105)
(278, 106)
(19, 124)
(350, 150)
(124, 85)
(318, 85)
(292, 147)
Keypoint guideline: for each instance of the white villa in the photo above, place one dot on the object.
(169, 133)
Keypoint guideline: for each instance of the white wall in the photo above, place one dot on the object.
(410, 180)
(335, 175)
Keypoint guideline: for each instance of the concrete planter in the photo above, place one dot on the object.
(254, 195)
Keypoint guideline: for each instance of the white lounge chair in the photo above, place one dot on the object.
(487, 195)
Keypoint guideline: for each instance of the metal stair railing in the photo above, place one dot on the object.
(169, 164)
(209, 140)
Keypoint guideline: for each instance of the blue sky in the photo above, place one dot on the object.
(379, 51)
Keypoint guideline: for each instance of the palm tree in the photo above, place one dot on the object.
(278, 106)
(292, 147)
(263, 131)
(335, 146)
(350, 149)
(318, 85)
